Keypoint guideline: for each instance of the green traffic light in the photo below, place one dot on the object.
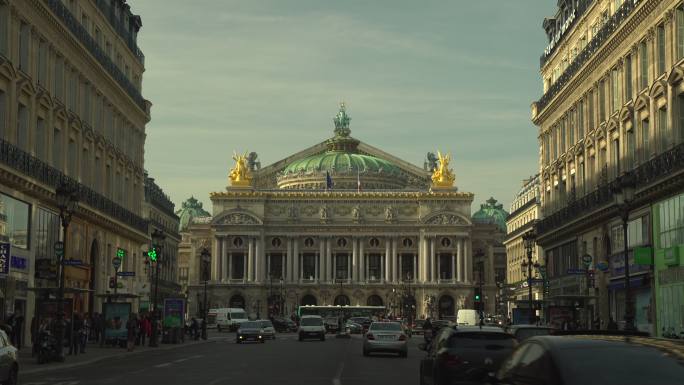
(121, 253)
(152, 253)
(477, 297)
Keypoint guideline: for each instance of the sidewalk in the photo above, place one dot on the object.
(94, 353)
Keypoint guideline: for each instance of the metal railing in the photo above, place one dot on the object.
(25, 163)
(120, 28)
(75, 27)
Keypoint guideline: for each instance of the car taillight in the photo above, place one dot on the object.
(370, 336)
(451, 359)
(402, 337)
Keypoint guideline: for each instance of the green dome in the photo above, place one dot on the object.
(336, 162)
(491, 212)
(191, 208)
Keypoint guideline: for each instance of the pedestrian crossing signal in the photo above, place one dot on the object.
(152, 254)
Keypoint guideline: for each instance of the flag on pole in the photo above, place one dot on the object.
(358, 180)
(328, 181)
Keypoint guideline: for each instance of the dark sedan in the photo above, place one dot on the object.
(250, 331)
(594, 359)
(523, 332)
(284, 325)
(464, 355)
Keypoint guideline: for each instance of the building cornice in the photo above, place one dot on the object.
(343, 195)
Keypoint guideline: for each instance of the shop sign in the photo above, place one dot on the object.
(4, 258)
(18, 263)
(642, 256)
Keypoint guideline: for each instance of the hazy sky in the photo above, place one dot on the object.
(267, 76)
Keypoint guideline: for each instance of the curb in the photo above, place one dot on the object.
(107, 357)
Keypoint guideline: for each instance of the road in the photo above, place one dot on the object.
(284, 361)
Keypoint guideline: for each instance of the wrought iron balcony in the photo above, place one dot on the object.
(121, 29)
(65, 16)
(610, 26)
(23, 162)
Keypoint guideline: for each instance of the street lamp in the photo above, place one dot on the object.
(67, 202)
(529, 239)
(158, 238)
(280, 298)
(206, 263)
(478, 255)
(624, 196)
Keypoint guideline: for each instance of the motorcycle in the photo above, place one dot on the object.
(47, 347)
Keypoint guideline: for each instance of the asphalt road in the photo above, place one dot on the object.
(284, 361)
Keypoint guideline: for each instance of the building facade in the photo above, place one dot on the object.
(525, 210)
(71, 113)
(340, 222)
(611, 123)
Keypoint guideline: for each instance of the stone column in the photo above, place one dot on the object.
(320, 261)
(395, 275)
(316, 266)
(295, 257)
(224, 261)
(362, 262)
(415, 267)
(459, 260)
(400, 273)
(214, 268)
(288, 260)
(355, 260)
(468, 265)
(433, 267)
(421, 269)
(250, 261)
(258, 258)
(230, 266)
(388, 260)
(328, 259)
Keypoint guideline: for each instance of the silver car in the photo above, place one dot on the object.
(268, 329)
(387, 337)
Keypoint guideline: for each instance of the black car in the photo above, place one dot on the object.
(284, 325)
(249, 331)
(594, 359)
(464, 355)
(523, 332)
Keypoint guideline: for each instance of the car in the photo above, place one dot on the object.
(332, 324)
(418, 326)
(353, 327)
(386, 337)
(469, 317)
(9, 366)
(363, 321)
(464, 354)
(250, 331)
(268, 331)
(229, 318)
(439, 324)
(606, 359)
(523, 332)
(311, 326)
(284, 325)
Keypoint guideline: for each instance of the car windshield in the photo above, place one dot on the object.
(386, 326)
(481, 340)
(238, 315)
(619, 363)
(525, 333)
(250, 325)
(312, 322)
(266, 324)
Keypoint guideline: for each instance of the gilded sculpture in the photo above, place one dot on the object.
(240, 175)
(443, 176)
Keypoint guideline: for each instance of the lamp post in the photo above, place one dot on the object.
(480, 264)
(158, 238)
(624, 195)
(206, 263)
(529, 240)
(67, 202)
(280, 298)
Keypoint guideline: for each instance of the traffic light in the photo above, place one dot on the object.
(478, 295)
(121, 253)
(112, 283)
(152, 254)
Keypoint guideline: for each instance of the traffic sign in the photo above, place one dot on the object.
(59, 248)
(126, 273)
(72, 262)
(116, 262)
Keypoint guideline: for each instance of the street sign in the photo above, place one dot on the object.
(126, 273)
(4, 258)
(59, 248)
(116, 262)
(72, 262)
(602, 266)
(576, 271)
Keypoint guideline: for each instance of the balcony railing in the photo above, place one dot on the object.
(120, 28)
(579, 11)
(652, 171)
(611, 25)
(23, 162)
(64, 15)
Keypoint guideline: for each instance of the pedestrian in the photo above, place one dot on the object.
(34, 335)
(427, 330)
(612, 325)
(132, 332)
(69, 330)
(145, 328)
(83, 335)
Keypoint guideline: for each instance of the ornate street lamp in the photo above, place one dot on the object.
(67, 202)
(624, 197)
(158, 238)
(206, 264)
(529, 238)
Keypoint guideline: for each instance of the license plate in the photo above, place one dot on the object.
(387, 338)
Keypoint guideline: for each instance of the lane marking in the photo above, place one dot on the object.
(336, 380)
(162, 365)
(181, 360)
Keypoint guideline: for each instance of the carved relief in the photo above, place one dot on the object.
(389, 214)
(323, 213)
(309, 211)
(446, 219)
(374, 211)
(356, 214)
(342, 210)
(238, 219)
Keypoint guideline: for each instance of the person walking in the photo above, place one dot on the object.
(146, 326)
(132, 329)
(427, 330)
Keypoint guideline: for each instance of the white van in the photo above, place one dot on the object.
(469, 317)
(229, 318)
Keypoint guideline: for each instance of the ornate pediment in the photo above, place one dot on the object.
(237, 217)
(446, 218)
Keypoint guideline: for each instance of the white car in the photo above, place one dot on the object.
(268, 331)
(311, 326)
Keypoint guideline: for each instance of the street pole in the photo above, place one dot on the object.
(67, 201)
(629, 315)
(529, 240)
(206, 264)
(158, 238)
(481, 266)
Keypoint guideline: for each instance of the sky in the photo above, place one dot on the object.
(268, 76)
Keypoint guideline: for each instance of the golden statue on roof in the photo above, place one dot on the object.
(240, 175)
(442, 175)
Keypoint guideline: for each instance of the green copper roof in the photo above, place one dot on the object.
(341, 162)
(191, 208)
(491, 212)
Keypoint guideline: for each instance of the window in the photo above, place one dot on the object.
(47, 233)
(680, 99)
(84, 21)
(590, 103)
(445, 266)
(22, 128)
(85, 167)
(602, 101)
(374, 267)
(661, 48)
(406, 267)
(547, 149)
(40, 140)
(4, 25)
(238, 268)
(680, 32)
(341, 265)
(24, 47)
(662, 128)
(643, 55)
(107, 188)
(16, 229)
(631, 149)
(3, 109)
(671, 222)
(87, 115)
(628, 77)
(57, 149)
(309, 266)
(645, 148)
(275, 266)
(72, 159)
(98, 37)
(571, 127)
(580, 120)
(616, 157)
(59, 78)
(98, 174)
(615, 93)
(42, 62)
(554, 143)
(582, 177)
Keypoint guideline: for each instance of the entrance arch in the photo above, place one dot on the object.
(237, 301)
(374, 300)
(309, 300)
(342, 300)
(446, 306)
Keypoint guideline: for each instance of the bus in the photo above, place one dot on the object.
(347, 311)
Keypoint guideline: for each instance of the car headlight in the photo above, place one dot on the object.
(241, 337)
